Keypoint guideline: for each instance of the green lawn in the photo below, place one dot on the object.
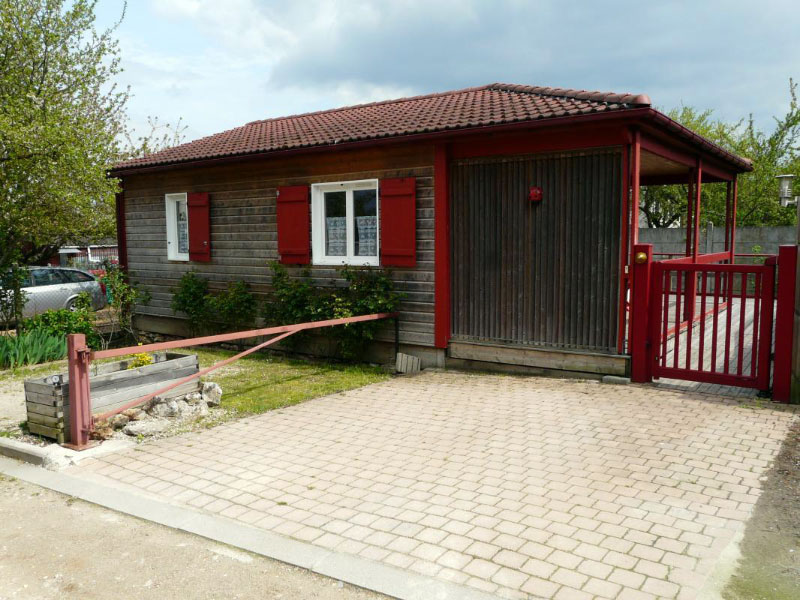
(261, 382)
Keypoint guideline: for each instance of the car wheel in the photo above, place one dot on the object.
(72, 305)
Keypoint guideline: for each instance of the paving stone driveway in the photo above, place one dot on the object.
(522, 487)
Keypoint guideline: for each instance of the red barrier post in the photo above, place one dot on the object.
(80, 410)
(784, 323)
(641, 351)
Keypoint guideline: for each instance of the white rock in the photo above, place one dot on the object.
(148, 427)
(212, 393)
(194, 398)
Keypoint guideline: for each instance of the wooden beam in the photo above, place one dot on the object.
(441, 214)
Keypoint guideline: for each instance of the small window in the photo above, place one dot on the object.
(47, 277)
(177, 227)
(77, 276)
(345, 223)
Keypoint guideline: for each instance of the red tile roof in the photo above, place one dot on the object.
(492, 104)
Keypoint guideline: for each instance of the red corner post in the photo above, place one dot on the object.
(80, 411)
(784, 323)
(641, 363)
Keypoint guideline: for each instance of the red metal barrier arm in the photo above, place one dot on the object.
(227, 337)
(188, 378)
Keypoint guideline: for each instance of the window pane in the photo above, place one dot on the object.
(335, 224)
(47, 277)
(76, 276)
(365, 206)
(183, 227)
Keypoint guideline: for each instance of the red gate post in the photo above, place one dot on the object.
(784, 323)
(80, 419)
(641, 348)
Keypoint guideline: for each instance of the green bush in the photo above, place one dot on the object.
(122, 301)
(234, 309)
(59, 323)
(31, 349)
(12, 296)
(190, 298)
(368, 291)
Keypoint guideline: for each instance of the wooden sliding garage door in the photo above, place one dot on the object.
(540, 273)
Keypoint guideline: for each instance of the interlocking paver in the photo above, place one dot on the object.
(515, 486)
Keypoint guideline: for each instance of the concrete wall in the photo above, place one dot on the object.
(712, 239)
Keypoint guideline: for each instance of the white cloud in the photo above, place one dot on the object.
(221, 64)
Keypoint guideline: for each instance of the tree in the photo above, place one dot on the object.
(60, 119)
(772, 154)
(62, 124)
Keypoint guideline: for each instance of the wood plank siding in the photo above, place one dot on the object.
(244, 229)
(540, 273)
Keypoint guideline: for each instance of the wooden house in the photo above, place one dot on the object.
(506, 213)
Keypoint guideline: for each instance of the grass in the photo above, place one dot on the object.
(262, 382)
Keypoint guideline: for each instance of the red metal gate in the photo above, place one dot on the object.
(712, 322)
(702, 318)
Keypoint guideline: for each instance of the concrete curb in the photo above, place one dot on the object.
(28, 453)
(55, 457)
(355, 570)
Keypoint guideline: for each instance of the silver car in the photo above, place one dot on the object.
(53, 288)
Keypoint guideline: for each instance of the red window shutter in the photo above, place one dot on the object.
(294, 225)
(199, 227)
(399, 222)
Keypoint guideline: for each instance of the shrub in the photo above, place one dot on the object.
(122, 300)
(190, 298)
(60, 323)
(368, 291)
(31, 348)
(12, 297)
(293, 300)
(235, 308)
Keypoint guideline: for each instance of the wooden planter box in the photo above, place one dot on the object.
(111, 385)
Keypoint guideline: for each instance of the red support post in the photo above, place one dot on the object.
(441, 210)
(80, 410)
(641, 346)
(691, 276)
(728, 217)
(698, 188)
(624, 254)
(734, 202)
(689, 214)
(635, 185)
(633, 227)
(784, 323)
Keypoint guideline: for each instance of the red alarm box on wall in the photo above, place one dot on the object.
(535, 194)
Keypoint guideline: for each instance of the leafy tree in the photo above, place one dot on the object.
(62, 124)
(772, 154)
(60, 118)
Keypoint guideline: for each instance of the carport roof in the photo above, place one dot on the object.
(466, 109)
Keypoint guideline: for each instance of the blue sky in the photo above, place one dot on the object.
(218, 64)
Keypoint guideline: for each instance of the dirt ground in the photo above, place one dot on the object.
(769, 568)
(53, 546)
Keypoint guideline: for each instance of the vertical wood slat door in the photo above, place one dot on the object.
(545, 273)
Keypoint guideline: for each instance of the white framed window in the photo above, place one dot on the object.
(344, 223)
(177, 227)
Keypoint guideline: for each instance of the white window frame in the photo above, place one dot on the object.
(171, 201)
(318, 223)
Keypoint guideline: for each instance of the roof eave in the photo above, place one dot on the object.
(633, 114)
